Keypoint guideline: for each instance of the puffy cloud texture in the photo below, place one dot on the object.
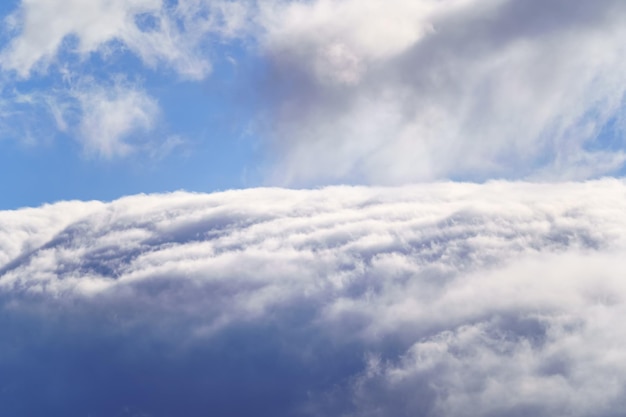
(431, 300)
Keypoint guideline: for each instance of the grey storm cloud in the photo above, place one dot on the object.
(431, 300)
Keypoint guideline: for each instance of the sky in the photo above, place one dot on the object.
(101, 99)
(351, 208)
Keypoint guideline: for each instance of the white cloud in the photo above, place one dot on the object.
(155, 31)
(378, 92)
(336, 35)
(27, 229)
(108, 119)
(505, 298)
(43, 25)
(110, 115)
(403, 91)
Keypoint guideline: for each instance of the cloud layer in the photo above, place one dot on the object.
(503, 299)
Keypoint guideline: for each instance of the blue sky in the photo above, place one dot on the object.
(206, 120)
(215, 95)
(207, 116)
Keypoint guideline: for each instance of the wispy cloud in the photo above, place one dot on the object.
(107, 119)
(110, 115)
(146, 27)
(423, 300)
(420, 90)
(53, 41)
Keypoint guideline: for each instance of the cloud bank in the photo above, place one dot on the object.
(431, 300)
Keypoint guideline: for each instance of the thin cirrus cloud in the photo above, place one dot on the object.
(503, 298)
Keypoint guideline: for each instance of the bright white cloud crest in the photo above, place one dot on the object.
(504, 298)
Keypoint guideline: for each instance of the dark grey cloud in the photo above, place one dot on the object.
(503, 298)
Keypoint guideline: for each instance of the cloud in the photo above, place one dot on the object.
(156, 31)
(110, 115)
(372, 92)
(54, 46)
(420, 300)
(43, 25)
(108, 119)
(336, 35)
(444, 89)
(26, 117)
